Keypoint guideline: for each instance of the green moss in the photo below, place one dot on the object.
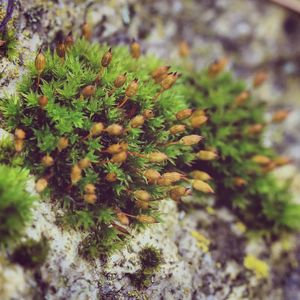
(70, 114)
(150, 260)
(260, 200)
(7, 153)
(15, 204)
(31, 254)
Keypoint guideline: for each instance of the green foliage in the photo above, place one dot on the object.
(7, 153)
(260, 200)
(31, 254)
(151, 260)
(15, 204)
(71, 114)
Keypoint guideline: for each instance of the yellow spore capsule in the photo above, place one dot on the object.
(97, 129)
(111, 177)
(218, 66)
(184, 49)
(146, 219)
(172, 176)
(20, 134)
(62, 144)
(40, 62)
(47, 161)
(19, 145)
(197, 121)
(120, 81)
(259, 78)
(280, 116)
(132, 88)
(207, 155)
(241, 98)
(200, 175)
(142, 204)
(135, 49)
(152, 175)
(75, 174)
(184, 114)
(148, 114)
(202, 186)
(86, 31)
(106, 58)
(41, 185)
(123, 219)
(239, 182)
(175, 129)
(142, 195)
(43, 101)
(88, 91)
(255, 129)
(119, 157)
(137, 121)
(190, 140)
(157, 157)
(169, 81)
(90, 198)
(261, 159)
(176, 193)
(90, 188)
(114, 129)
(114, 148)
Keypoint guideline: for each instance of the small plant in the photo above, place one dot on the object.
(234, 154)
(31, 254)
(95, 125)
(15, 204)
(150, 260)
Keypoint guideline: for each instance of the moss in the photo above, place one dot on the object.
(7, 153)
(234, 153)
(92, 122)
(31, 254)
(150, 260)
(15, 204)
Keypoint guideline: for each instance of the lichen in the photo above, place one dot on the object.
(202, 242)
(259, 267)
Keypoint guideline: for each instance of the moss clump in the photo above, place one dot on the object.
(94, 126)
(15, 204)
(234, 154)
(150, 260)
(31, 254)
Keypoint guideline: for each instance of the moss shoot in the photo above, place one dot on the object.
(15, 204)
